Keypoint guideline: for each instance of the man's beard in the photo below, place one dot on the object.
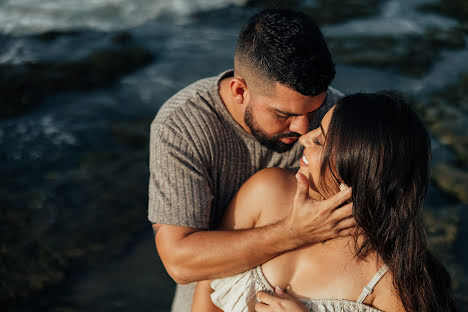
(271, 142)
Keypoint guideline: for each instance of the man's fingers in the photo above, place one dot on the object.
(346, 223)
(302, 191)
(344, 212)
(339, 198)
(347, 232)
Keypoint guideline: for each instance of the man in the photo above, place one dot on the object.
(213, 135)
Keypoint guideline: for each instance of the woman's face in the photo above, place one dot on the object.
(314, 142)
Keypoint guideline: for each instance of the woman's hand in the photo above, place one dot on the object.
(279, 303)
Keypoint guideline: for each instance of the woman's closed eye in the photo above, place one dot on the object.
(316, 141)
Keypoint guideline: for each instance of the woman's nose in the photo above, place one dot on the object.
(306, 139)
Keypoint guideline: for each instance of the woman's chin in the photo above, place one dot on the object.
(313, 190)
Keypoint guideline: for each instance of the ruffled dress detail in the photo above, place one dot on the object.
(238, 294)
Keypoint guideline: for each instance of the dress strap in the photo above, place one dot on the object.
(370, 287)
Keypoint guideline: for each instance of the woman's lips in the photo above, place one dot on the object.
(304, 162)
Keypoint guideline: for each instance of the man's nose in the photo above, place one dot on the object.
(300, 124)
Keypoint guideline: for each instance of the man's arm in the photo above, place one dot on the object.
(191, 254)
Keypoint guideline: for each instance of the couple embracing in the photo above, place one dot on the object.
(271, 191)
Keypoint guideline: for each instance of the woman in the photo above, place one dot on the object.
(375, 144)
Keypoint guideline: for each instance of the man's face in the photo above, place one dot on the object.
(279, 119)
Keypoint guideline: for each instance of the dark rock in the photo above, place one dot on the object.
(74, 219)
(412, 55)
(273, 3)
(122, 38)
(442, 227)
(134, 135)
(457, 9)
(27, 262)
(54, 34)
(332, 12)
(455, 95)
(445, 113)
(326, 12)
(24, 86)
(452, 180)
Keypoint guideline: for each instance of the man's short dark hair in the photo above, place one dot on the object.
(286, 46)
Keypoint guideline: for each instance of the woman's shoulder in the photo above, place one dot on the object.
(272, 182)
(273, 189)
(386, 297)
(273, 177)
(265, 198)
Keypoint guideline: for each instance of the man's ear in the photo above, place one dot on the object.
(239, 90)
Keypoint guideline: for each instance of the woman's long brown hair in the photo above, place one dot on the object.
(379, 147)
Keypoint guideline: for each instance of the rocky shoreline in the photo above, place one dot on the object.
(90, 214)
(24, 86)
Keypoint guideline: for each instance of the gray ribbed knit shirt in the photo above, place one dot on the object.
(200, 156)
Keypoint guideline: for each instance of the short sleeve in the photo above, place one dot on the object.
(179, 186)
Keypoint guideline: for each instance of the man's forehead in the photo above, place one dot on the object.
(288, 100)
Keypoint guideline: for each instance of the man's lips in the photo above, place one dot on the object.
(289, 140)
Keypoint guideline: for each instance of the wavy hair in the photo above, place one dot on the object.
(377, 145)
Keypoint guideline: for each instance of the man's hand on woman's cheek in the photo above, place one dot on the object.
(314, 221)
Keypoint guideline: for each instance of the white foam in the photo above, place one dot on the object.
(32, 16)
(397, 17)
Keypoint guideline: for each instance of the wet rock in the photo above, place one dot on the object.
(443, 225)
(24, 86)
(411, 55)
(452, 180)
(28, 263)
(74, 219)
(326, 12)
(449, 125)
(272, 3)
(332, 12)
(122, 38)
(442, 228)
(131, 134)
(453, 8)
(54, 34)
(455, 95)
(445, 113)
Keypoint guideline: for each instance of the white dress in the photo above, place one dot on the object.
(238, 294)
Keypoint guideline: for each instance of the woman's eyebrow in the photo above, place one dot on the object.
(323, 132)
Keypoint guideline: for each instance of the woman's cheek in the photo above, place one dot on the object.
(314, 170)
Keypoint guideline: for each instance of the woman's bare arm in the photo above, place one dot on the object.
(201, 298)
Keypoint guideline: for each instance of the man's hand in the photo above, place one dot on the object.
(282, 302)
(314, 221)
(191, 254)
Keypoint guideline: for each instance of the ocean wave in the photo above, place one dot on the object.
(20, 17)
